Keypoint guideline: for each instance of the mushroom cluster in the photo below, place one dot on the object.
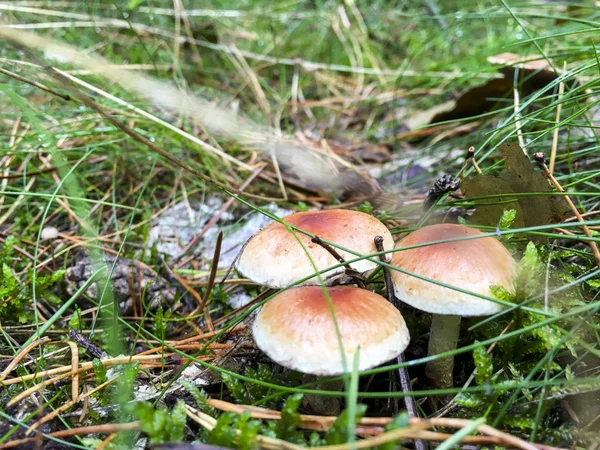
(317, 329)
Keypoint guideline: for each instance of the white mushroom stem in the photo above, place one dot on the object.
(443, 338)
(323, 405)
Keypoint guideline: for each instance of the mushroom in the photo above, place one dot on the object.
(471, 265)
(276, 257)
(296, 329)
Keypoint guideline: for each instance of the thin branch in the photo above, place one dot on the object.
(409, 400)
(352, 273)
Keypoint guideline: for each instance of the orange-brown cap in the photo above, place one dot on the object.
(296, 329)
(473, 265)
(276, 258)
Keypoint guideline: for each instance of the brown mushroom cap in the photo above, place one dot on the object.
(296, 329)
(274, 257)
(473, 265)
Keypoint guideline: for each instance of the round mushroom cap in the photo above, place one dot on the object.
(296, 329)
(473, 265)
(277, 257)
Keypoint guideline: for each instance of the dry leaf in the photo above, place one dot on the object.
(519, 177)
(534, 73)
(478, 100)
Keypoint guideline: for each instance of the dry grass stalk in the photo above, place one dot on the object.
(94, 429)
(417, 429)
(83, 368)
(561, 90)
(22, 354)
(67, 405)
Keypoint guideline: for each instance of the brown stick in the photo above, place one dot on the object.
(357, 277)
(409, 400)
(35, 84)
(387, 276)
(22, 354)
(211, 279)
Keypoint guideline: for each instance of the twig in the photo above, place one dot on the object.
(237, 329)
(67, 405)
(409, 400)
(357, 277)
(20, 356)
(198, 346)
(540, 159)
(106, 441)
(414, 430)
(74, 366)
(389, 285)
(265, 442)
(83, 367)
(332, 251)
(84, 343)
(211, 280)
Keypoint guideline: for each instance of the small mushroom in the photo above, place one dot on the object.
(471, 264)
(277, 257)
(296, 329)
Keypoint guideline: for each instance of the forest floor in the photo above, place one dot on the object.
(129, 184)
